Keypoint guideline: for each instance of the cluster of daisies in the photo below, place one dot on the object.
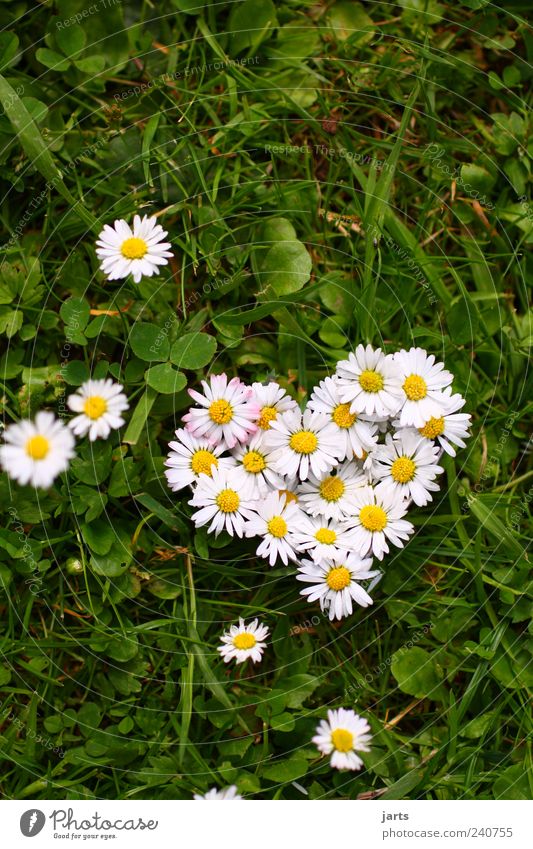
(36, 452)
(327, 488)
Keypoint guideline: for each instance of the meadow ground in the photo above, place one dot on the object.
(385, 150)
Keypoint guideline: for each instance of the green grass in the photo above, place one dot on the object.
(411, 125)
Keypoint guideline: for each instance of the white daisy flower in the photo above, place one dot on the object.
(226, 413)
(37, 452)
(272, 401)
(342, 735)
(277, 522)
(228, 794)
(255, 463)
(377, 520)
(243, 641)
(138, 251)
(356, 435)
(323, 539)
(370, 382)
(423, 381)
(407, 467)
(303, 443)
(450, 428)
(331, 495)
(224, 499)
(190, 457)
(334, 583)
(100, 404)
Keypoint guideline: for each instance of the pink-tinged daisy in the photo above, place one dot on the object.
(138, 251)
(277, 522)
(226, 413)
(225, 500)
(356, 435)
(422, 381)
(369, 381)
(335, 583)
(272, 401)
(407, 466)
(302, 444)
(342, 735)
(190, 457)
(377, 520)
(243, 641)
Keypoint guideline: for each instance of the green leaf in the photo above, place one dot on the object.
(115, 562)
(298, 688)
(286, 268)
(193, 350)
(148, 342)
(8, 47)
(75, 313)
(140, 414)
(124, 478)
(92, 65)
(75, 372)
(71, 39)
(286, 771)
(163, 513)
(349, 20)
(250, 23)
(33, 145)
(52, 60)
(278, 230)
(190, 7)
(494, 526)
(512, 784)
(417, 673)
(99, 535)
(165, 379)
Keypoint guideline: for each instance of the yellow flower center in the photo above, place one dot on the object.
(95, 406)
(277, 526)
(228, 501)
(289, 496)
(244, 640)
(37, 447)
(403, 470)
(338, 578)
(372, 517)
(332, 488)
(342, 740)
(254, 462)
(267, 415)
(221, 411)
(370, 381)
(202, 461)
(133, 248)
(303, 442)
(432, 428)
(326, 536)
(415, 387)
(342, 417)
